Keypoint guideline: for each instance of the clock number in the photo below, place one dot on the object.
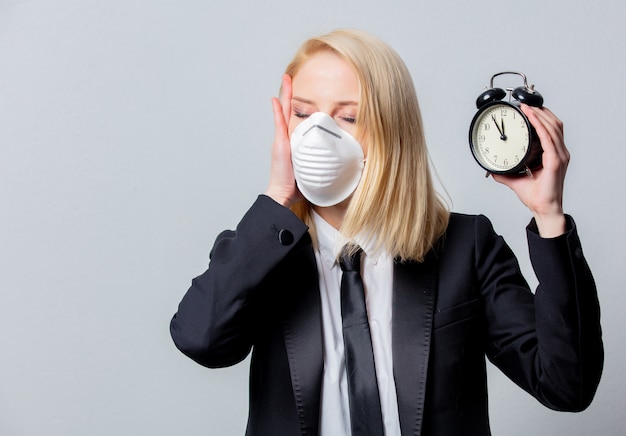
(505, 162)
(503, 112)
(495, 158)
(486, 150)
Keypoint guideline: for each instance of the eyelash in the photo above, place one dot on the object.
(346, 119)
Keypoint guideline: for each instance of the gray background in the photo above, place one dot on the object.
(132, 132)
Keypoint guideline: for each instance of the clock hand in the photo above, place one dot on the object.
(501, 130)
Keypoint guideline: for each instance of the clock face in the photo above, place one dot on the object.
(500, 137)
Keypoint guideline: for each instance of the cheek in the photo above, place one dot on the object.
(359, 139)
(364, 148)
(293, 123)
(348, 127)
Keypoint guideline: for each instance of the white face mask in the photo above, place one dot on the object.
(327, 160)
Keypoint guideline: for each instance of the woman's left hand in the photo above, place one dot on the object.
(542, 192)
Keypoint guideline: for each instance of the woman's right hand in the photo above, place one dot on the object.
(282, 185)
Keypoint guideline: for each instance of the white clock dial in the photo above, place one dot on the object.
(500, 137)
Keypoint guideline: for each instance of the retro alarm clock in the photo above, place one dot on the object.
(501, 138)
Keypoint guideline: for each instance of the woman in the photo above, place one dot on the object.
(349, 165)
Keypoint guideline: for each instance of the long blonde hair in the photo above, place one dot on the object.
(395, 202)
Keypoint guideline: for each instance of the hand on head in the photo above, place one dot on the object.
(282, 186)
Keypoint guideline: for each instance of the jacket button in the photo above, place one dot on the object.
(579, 253)
(285, 237)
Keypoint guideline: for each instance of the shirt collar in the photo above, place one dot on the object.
(331, 241)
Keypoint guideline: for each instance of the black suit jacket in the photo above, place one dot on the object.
(467, 300)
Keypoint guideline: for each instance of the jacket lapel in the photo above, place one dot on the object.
(414, 298)
(303, 341)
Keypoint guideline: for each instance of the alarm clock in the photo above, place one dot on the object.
(501, 138)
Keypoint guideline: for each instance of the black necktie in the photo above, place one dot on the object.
(365, 414)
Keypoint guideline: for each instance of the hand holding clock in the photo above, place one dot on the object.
(542, 192)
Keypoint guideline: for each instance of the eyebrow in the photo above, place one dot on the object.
(338, 103)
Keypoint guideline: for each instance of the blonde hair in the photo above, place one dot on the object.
(395, 203)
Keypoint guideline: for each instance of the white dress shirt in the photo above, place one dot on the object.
(377, 272)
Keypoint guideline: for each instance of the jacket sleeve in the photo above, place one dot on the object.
(549, 343)
(214, 324)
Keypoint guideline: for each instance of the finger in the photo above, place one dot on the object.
(285, 97)
(555, 128)
(280, 125)
(549, 121)
(550, 131)
(553, 124)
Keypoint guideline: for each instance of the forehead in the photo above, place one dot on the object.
(327, 74)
